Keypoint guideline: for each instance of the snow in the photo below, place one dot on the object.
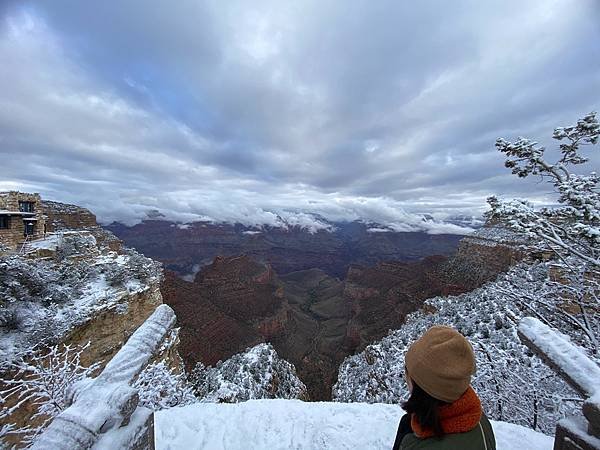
(251, 232)
(578, 426)
(123, 437)
(50, 242)
(492, 236)
(99, 406)
(562, 352)
(134, 355)
(293, 424)
(510, 436)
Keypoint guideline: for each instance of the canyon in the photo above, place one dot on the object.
(184, 248)
(316, 297)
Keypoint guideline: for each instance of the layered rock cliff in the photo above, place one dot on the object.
(484, 254)
(73, 290)
(312, 319)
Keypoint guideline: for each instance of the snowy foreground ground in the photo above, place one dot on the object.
(293, 424)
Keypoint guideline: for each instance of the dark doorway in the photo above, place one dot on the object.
(29, 228)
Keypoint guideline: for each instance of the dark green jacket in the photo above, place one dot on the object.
(471, 440)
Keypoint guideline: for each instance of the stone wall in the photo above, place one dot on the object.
(62, 216)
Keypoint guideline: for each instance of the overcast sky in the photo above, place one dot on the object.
(242, 111)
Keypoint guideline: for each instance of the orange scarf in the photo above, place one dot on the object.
(458, 417)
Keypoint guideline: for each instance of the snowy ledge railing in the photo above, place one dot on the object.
(579, 371)
(108, 402)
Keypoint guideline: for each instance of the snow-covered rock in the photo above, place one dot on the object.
(42, 299)
(292, 424)
(74, 291)
(257, 373)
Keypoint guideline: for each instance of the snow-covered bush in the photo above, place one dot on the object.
(513, 384)
(159, 387)
(24, 279)
(45, 379)
(10, 319)
(257, 373)
(71, 244)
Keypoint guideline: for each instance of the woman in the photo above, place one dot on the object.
(444, 412)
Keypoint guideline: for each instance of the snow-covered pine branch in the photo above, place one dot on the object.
(573, 227)
(46, 379)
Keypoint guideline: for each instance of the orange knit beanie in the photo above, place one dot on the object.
(441, 362)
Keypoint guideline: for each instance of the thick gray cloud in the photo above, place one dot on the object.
(248, 111)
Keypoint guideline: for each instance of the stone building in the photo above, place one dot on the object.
(21, 218)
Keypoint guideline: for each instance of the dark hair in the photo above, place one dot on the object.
(425, 408)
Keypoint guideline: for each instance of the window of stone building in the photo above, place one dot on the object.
(4, 222)
(26, 206)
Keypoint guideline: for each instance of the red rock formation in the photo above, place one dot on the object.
(312, 319)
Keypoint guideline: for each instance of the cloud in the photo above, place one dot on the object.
(276, 114)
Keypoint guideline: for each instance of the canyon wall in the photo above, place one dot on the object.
(186, 248)
(312, 318)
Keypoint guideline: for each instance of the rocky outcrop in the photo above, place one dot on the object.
(80, 293)
(63, 216)
(483, 255)
(257, 373)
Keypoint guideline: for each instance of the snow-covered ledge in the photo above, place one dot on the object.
(583, 374)
(108, 401)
